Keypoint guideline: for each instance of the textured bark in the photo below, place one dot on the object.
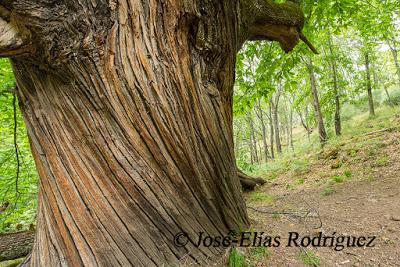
(369, 86)
(15, 245)
(128, 106)
(323, 137)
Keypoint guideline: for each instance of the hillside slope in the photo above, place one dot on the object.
(350, 188)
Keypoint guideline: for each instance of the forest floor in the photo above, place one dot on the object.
(350, 188)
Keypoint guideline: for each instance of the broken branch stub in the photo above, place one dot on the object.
(15, 39)
(277, 22)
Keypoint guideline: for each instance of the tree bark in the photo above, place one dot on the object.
(369, 86)
(338, 122)
(15, 245)
(128, 106)
(323, 137)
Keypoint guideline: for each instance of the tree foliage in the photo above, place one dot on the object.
(18, 197)
(344, 32)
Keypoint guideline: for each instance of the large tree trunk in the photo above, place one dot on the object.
(369, 86)
(338, 122)
(128, 106)
(323, 137)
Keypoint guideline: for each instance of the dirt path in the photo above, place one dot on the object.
(352, 190)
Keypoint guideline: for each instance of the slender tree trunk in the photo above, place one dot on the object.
(291, 125)
(275, 106)
(388, 96)
(255, 147)
(317, 107)
(375, 77)
(260, 115)
(285, 124)
(338, 123)
(369, 86)
(271, 130)
(128, 106)
(252, 147)
(393, 49)
(265, 144)
(304, 123)
(309, 129)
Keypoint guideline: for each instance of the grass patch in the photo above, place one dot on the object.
(237, 259)
(260, 252)
(298, 181)
(276, 216)
(300, 166)
(309, 258)
(327, 191)
(337, 179)
(352, 152)
(382, 161)
(261, 197)
(347, 173)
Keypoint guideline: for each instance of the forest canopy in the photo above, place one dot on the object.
(358, 45)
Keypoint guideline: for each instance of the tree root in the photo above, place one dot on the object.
(248, 183)
(16, 245)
